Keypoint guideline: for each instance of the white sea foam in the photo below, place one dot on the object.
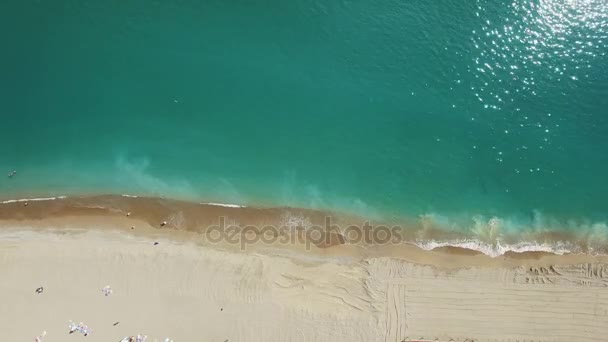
(495, 236)
(295, 221)
(498, 249)
(32, 199)
(227, 205)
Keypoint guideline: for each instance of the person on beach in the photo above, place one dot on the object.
(85, 330)
(73, 327)
(81, 328)
(138, 338)
(107, 290)
(39, 290)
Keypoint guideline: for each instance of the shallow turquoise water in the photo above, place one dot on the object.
(385, 108)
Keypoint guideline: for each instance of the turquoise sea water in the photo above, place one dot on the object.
(382, 108)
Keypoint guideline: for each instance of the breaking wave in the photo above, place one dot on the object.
(495, 236)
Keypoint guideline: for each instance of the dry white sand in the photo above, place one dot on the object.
(178, 290)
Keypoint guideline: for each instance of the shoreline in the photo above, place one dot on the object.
(198, 289)
(196, 218)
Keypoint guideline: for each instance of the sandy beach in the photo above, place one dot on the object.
(167, 282)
